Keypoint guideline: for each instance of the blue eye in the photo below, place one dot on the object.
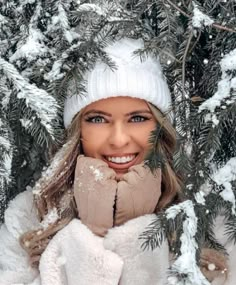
(138, 119)
(96, 120)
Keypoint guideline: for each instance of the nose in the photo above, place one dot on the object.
(119, 136)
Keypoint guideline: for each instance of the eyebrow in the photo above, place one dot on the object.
(136, 112)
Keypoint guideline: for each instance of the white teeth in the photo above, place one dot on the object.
(123, 159)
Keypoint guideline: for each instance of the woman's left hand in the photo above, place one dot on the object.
(138, 193)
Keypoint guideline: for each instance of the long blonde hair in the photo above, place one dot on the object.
(54, 191)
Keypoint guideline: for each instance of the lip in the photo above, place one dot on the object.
(123, 166)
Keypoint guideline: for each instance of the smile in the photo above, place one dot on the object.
(121, 159)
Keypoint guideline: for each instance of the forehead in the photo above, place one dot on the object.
(118, 104)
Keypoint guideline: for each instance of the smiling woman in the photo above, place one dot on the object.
(117, 131)
(82, 223)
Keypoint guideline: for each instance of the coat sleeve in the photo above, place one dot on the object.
(230, 246)
(76, 256)
(19, 218)
(141, 266)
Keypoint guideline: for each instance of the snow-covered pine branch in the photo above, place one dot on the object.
(31, 46)
(225, 85)
(87, 7)
(185, 264)
(62, 20)
(199, 19)
(6, 154)
(42, 105)
(224, 177)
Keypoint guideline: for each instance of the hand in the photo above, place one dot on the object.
(94, 192)
(138, 193)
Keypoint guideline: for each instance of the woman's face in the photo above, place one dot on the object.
(117, 130)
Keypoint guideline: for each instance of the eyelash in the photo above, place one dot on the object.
(93, 118)
(133, 119)
(141, 119)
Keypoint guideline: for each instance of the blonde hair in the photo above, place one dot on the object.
(56, 191)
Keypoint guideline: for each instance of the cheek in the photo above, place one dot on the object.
(88, 145)
(91, 141)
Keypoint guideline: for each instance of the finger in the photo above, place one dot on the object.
(87, 162)
(140, 169)
(131, 178)
(108, 172)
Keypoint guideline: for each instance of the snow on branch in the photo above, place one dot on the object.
(6, 154)
(186, 263)
(38, 100)
(55, 72)
(91, 8)
(224, 176)
(32, 46)
(200, 19)
(3, 20)
(105, 11)
(225, 85)
(64, 23)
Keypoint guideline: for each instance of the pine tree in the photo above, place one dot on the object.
(6, 150)
(47, 46)
(44, 47)
(202, 79)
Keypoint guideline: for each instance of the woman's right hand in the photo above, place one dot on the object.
(95, 192)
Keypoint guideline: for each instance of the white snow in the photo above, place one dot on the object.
(97, 173)
(50, 218)
(211, 267)
(227, 82)
(200, 197)
(227, 173)
(200, 19)
(26, 123)
(64, 23)
(5, 90)
(3, 20)
(214, 120)
(7, 162)
(186, 262)
(224, 176)
(91, 8)
(39, 100)
(55, 72)
(228, 62)
(32, 48)
(5, 142)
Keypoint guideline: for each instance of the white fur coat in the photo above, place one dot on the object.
(75, 256)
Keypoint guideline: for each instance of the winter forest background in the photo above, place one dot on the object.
(44, 44)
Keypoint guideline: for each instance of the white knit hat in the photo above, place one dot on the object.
(143, 80)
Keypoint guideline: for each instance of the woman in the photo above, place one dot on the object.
(98, 195)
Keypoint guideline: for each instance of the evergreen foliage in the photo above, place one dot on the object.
(6, 150)
(47, 46)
